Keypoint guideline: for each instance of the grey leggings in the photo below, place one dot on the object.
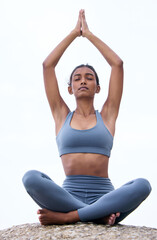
(93, 197)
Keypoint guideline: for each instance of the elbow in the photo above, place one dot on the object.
(45, 65)
(119, 63)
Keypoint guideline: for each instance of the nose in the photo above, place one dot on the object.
(83, 81)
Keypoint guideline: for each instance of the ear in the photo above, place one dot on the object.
(70, 90)
(98, 89)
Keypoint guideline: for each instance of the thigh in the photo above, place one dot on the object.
(124, 200)
(47, 194)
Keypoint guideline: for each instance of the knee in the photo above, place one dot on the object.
(29, 179)
(144, 186)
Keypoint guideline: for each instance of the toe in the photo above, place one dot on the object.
(112, 219)
(39, 211)
(117, 214)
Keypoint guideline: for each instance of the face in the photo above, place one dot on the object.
(83, 83)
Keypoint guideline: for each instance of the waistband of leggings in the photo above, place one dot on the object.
(87, 182)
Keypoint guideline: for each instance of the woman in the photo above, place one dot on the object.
(85, 139)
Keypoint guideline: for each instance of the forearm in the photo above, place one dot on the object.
(111, 57)
(55, 55)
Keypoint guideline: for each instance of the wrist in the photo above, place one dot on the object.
(87, 34)
(75, 33)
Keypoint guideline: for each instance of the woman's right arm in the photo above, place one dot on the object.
(58, 107)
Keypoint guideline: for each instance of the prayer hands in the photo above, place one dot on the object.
(81, 26)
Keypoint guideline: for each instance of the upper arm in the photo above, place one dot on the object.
(58, 107)
(110, 108)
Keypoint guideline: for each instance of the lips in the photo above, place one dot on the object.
(83, 88)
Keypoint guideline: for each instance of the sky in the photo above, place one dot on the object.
(29, 31)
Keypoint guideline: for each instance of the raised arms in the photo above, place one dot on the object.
(58, 106)
(110, 108)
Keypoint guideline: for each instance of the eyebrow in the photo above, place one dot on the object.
(78, 74)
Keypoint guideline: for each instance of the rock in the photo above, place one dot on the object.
(78, 231)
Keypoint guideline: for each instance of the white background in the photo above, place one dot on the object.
(29, 30)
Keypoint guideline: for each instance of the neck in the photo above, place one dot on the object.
(85, 108)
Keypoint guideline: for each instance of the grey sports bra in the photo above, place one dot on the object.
(97, 139)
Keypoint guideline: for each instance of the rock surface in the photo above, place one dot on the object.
(78, 231)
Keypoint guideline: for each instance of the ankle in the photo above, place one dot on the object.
(72, 217)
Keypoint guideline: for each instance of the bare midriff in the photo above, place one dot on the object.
(85, 164)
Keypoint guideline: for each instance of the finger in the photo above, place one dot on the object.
(80, 13)
(83, 14)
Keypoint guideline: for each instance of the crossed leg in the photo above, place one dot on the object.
(60, 207)
(124, 200)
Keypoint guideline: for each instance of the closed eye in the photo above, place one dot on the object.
(89, 76)
(77, 79)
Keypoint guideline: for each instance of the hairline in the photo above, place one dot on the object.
(82, 66)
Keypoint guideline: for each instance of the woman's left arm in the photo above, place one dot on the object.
(110, 108)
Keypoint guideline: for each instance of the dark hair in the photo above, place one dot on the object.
(84, 65)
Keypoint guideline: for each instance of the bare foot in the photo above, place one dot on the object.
(47, 217)
(109, 220)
